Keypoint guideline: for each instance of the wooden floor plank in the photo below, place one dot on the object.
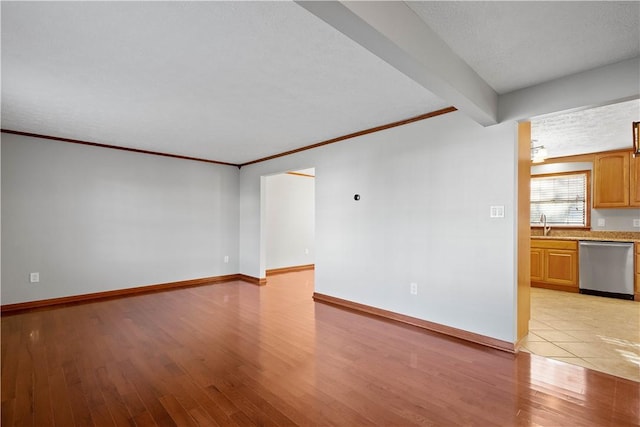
(232, 354)
(24, 409)
(6, 412)
(10, 346)
(148, 393)
(177, 412)
(60, 396)
(202, 418)
(115, 402)
(42, 407)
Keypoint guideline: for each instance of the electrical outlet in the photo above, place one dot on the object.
(636, 222)
(34, 277)
(306, 251)
(601, 222)
(413, 288)
(226, 259)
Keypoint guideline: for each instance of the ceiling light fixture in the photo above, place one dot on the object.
(538, 152)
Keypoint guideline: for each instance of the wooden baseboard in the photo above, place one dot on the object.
(292, 269)
(424, 324)
(21, 306)
(253, 280)
(555, 287)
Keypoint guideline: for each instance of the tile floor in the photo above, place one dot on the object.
(595, 332)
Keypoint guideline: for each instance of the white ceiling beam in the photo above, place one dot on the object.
(600, 86)
(393, 32)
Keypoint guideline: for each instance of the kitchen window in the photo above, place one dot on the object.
(564, 198)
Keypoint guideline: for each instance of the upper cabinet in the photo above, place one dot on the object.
(617, 183)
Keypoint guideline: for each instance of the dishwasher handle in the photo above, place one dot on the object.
(614, 244)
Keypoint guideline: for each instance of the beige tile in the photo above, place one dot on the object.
(576, 361)
(624, 334)
(585, 336)
(537, 325)
(594, 332)
(621, 346)
(556, 336)
(574, 325)
(547, 349)
(548, 318)
(533, 337)
(616, 366)
(588, 349)
(528, 339)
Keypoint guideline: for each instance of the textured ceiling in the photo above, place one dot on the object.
(230, 81)
(587, 131)
(238, 81)
(516, 44)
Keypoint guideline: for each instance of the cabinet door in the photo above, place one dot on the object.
(611, 180)
(634, 180)
(537, 265)
(561, 267)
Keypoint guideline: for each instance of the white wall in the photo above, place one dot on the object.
(290, 220)
(90, 219)
(423, 217)
(614, 219)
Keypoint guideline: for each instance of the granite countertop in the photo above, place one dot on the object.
(595, 239)
(609, 236)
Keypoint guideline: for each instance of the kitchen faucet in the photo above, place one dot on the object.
(545, 229)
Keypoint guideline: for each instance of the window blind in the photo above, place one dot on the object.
(562, 198)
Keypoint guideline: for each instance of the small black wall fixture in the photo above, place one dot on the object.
(356, 197)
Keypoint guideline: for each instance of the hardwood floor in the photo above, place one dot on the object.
(238, 354)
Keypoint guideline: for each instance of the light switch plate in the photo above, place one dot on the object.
(636, 222)
(601, 222)
(497, 211)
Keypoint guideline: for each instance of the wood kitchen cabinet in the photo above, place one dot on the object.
(537, 264)
(554, 264)
(617, 176)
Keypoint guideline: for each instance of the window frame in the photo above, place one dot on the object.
(587, 201)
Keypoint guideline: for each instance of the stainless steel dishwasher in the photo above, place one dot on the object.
(606, 269)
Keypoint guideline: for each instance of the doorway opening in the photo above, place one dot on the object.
(587, 331)
(288, 224)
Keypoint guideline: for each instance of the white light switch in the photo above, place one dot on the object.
(601, 222)
(636, 222)
(497, 211)
(34, 277)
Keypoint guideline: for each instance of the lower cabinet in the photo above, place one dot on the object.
(554, 264)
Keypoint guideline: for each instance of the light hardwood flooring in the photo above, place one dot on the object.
(235, 354)
(595, 332)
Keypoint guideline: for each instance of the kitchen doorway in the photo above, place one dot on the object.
(594, 332)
